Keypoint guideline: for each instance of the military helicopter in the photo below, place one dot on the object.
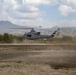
(32, 35)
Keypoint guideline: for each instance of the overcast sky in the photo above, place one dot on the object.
(45, 13)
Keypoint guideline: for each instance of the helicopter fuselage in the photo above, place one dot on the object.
(36, 35)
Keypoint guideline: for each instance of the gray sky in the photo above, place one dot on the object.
(45, 13)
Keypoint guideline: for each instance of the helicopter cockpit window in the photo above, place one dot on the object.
(28, 35)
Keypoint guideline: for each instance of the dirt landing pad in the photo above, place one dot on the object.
(38, 60)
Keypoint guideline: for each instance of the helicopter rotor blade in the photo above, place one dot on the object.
(21, 28)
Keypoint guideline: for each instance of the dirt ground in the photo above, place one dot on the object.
(37, 60)
(21, 68)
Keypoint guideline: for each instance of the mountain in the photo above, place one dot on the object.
(8, 27)
(54, 28)
(7, 24)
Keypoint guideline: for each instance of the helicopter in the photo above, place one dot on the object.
(32, 35)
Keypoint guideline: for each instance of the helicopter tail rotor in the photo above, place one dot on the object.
(54, 33)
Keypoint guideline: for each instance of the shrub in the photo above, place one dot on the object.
(9, 38)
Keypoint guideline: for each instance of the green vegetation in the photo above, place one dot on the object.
(9, 38)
